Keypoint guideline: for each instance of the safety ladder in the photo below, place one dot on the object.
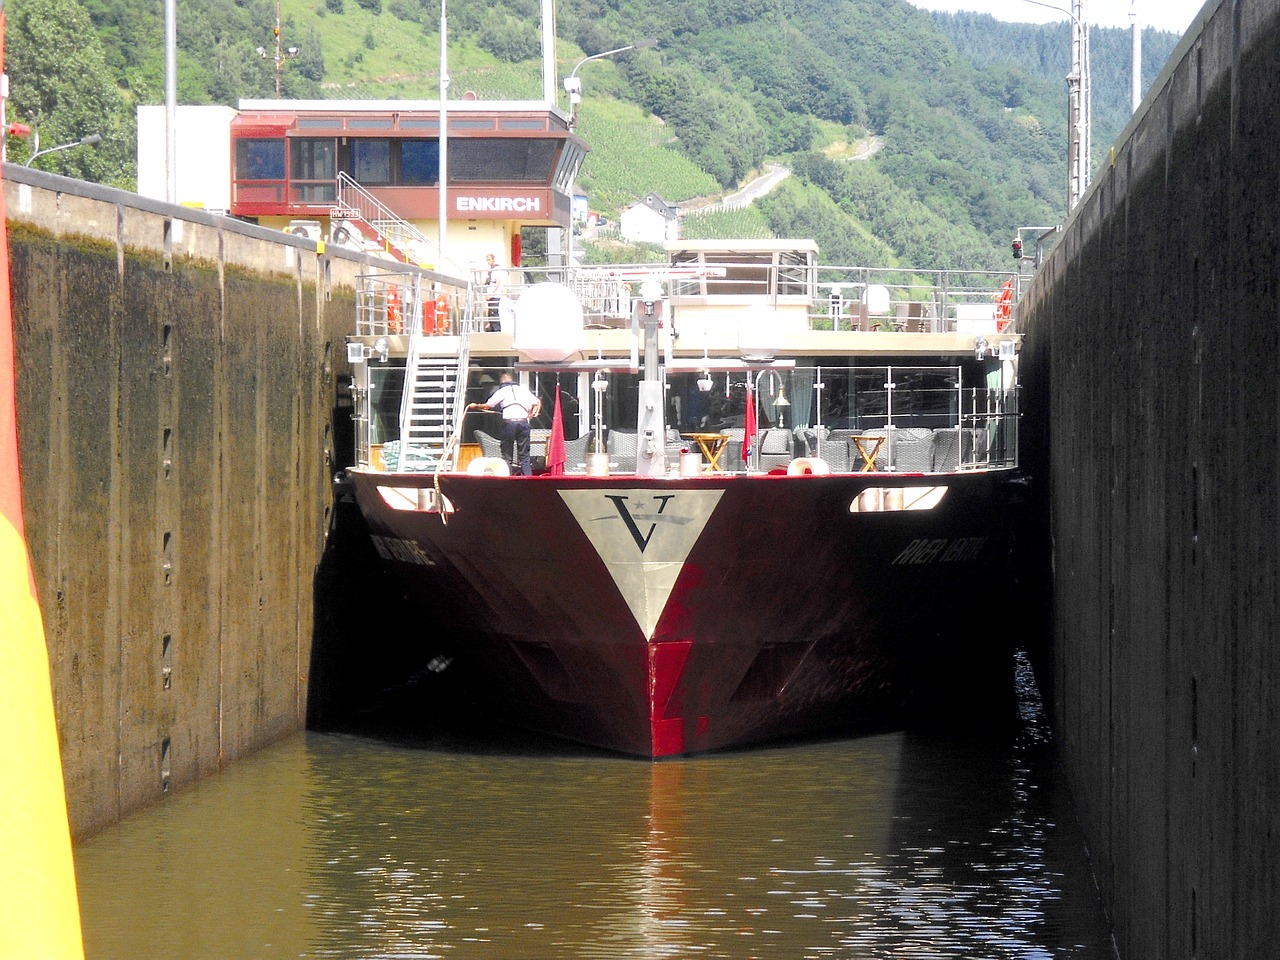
(434, 393)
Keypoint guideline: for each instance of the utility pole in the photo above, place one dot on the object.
(281, 52)
(171, 100)
(443, 192)
(1082, 120)
(1136, 98)
(1079, 102)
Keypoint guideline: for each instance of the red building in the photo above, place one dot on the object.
(369, 171)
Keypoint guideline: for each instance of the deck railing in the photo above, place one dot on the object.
(832, 298)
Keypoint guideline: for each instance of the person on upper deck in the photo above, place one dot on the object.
(492, 292)
(518, 406)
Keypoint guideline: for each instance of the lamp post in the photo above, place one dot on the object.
(171, 101)
(1135, 97)
(86, 141)
(442, 194)
(573, 87)
(1079, 102)
(282, 52)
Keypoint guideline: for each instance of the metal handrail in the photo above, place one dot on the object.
(356, 203)
(928, 300)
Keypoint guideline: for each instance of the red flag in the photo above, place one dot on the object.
(556, 455)
(749, 426)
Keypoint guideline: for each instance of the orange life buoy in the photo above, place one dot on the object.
(1004, 305)
(394, 323)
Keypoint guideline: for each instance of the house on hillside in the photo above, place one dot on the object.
(651, 220)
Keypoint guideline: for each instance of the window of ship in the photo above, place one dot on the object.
(765, 273)
(505, 159)
(258, 159)
(484, 381)
(858, 398)
(795, 274)
(386, 386)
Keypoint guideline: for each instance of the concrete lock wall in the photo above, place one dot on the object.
(177, 375)
(1151, 366)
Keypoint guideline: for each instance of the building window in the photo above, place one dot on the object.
(312, 163)
(371, 161)
(260, 159)
(491, 159)
(419, 162)
(312, 159)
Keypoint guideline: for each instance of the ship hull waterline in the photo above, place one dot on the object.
(659, 617)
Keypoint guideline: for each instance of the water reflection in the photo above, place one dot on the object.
(898, 845)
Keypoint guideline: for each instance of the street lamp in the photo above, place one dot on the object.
(282, 53)
(573, 87)
(1079, 102)
(86, 141)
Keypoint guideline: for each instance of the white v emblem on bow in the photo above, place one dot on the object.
(643, 536)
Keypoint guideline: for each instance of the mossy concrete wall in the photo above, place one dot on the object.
(178, 375)
(1151, 368)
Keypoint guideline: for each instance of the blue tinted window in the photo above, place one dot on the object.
(260, 159)
(371, 160)
(419, 161)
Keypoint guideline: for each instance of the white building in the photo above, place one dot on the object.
(651, 220)
(203, 155)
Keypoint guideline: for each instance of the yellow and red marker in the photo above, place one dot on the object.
(39, 911)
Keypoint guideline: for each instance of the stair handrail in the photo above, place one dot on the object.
(353, 199)
(459, 397)
(417, 341)
(413, 298)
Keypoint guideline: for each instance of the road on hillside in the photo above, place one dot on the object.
(753, 190)
(773, 175)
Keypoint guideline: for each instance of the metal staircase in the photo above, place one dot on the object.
(434, 394)
(360, 209)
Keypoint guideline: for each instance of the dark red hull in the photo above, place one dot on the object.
(670, 616)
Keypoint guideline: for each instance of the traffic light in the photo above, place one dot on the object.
(1017, 248)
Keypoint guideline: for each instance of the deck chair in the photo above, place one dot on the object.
(777, 448)
(490, 446)
(621, 446)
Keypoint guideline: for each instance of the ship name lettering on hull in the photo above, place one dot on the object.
(406, 551)
(941, 550)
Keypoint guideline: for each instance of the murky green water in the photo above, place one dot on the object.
(903, 845)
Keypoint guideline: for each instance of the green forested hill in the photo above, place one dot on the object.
(1045, 51)
(967, 114)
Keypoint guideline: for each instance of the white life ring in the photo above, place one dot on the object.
(802, 466)
(494, 466)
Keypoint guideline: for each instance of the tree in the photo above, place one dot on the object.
(60, 85)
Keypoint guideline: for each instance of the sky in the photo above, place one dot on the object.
(1171, 15)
